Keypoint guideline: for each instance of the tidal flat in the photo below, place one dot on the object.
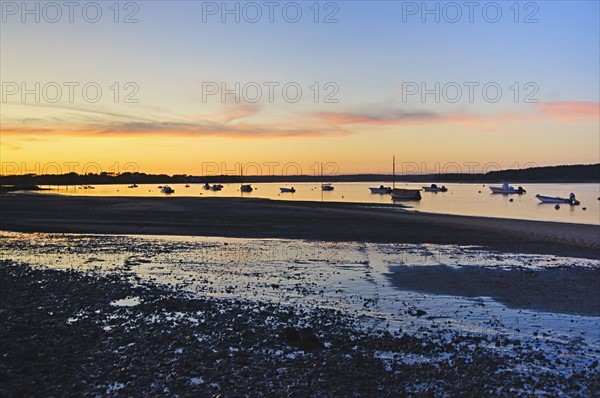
(173, 315)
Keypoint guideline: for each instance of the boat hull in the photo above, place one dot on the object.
(550, 199)
(406, 194)
(436, 190)
(506, 189)
(284, 190)
(381, 191)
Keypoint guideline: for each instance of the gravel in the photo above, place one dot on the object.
(66, 333)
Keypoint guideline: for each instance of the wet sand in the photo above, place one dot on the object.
(262, 218)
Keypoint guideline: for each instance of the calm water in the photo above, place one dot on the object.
(462, 199)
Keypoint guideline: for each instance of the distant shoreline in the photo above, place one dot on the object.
(47, 187)
(553, 174)
(263, 218)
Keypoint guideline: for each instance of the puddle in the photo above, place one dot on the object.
(127, 302)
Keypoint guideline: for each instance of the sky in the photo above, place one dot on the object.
(281, 87)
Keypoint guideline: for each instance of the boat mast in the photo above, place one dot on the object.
(321, 164)
(394, 172)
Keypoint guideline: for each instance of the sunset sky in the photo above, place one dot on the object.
(361, 68)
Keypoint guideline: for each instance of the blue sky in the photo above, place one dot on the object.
(369, 55)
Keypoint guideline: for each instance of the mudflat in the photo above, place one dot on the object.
(263, 218)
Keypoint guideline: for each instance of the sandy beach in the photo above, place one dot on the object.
(261, 218)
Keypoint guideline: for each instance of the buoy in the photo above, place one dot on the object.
(557, 207)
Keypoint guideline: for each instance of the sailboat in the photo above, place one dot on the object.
(402, 193)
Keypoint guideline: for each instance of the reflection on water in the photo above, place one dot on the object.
(385, 286)
(463, 199)
(383, 282)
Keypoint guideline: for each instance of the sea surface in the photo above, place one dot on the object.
(461, 199)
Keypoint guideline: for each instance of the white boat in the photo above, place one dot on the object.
(507, 189)
(406, 194)
(167, 189)
(325, 186)
(244, 187)
(435, 188)
(381, 190)
(283, 190)
(555, 199)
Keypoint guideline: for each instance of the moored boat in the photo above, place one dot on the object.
(507, 189)
(283, 190)
(381, 190)
(435, 188)
(246, 188)
(327, 187)
(167, 189)
(406, 194)
(216, 187)
(402, 193)
(555, 199)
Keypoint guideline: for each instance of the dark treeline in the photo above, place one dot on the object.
(572, 173)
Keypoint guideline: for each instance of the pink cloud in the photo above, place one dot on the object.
(571, 111)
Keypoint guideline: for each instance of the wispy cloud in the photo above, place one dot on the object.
(69, 121)
(238, 121)
(378, 118)
(566, 112)
(216, 129)
(9, 147)
(571, 111)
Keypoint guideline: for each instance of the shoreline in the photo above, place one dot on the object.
(264, 218)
